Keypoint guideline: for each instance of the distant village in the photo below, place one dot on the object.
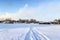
(26, 21)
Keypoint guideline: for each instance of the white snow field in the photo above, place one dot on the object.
(29, 32)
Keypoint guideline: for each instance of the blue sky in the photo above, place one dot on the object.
(45, 10)
(14, 5)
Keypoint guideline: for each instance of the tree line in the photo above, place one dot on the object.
(26, 21)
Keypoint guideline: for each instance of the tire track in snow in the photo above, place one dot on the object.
(29, 36)
(41, 34)
(34, 34)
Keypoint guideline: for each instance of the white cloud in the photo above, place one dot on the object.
(8, 15)
(42, 12)
(22, 13)
(26, 5)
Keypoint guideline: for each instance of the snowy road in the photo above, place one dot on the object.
(31, 33)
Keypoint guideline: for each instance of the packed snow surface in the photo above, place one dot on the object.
(29, 32)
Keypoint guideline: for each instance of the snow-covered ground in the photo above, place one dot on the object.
(31, 32)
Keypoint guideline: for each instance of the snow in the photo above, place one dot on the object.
(32, 32)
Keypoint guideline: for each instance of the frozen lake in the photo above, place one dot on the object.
(29, 32)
